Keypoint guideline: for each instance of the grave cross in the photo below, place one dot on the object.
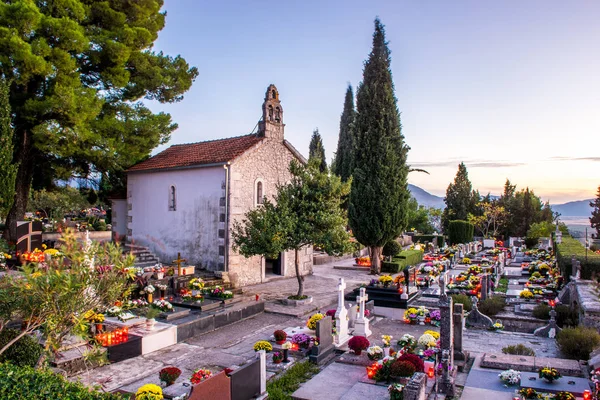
(361, 300)
(361, 326)
(179, 261)
(341, 287)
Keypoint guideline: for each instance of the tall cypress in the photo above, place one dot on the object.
(458, 198)
(8, 168)
(379, 195)
(316, 150)
(345, 148)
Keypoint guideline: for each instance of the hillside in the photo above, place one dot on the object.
(425, 198)
(579, 208)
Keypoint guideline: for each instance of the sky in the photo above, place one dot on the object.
(511, 88)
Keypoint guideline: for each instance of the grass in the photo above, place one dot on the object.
(283, 387)
(502, 285)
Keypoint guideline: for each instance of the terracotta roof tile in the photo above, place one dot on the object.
(201, 153)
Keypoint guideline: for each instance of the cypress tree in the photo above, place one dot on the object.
(345, 148)
(8, 168)
(459, 198)
(317, 151)
(595, 218)
(379, 195)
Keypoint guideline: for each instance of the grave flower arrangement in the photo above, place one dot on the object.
(114, 311)
(474, 270)
(385, 280)
(435, 316)
(429, 354)
(136, 303)
(529, 393)
(407, 342)
(410, 316)
(526, 294)
(163, 305)
(161, 286)
(200, 375)
(427, 341)
(287, 346)
(196, 284)
(312, 321)
(466, 260)
(149, 391)
(302, 340)
(149, 289)
(399, 279)
(358, 343)
(564, 396)
(510, 377)
(363, 261)
(396, 391)
(277, 357)
(497, 326)
(549, 374)
(375, 353)
(280, 336)
(263, 345)
(169, 375)
(217, 291)
(387, 340)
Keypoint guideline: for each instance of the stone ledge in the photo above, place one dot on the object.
(530, 364)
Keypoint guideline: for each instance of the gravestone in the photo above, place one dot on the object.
(361, 326)
(352, 315)
(458, 318)
(249, 381)
(550, 330)
(324, 349)
(447, 344)
(416, 387)
(341, 316)
(476, 319)
(215, 387)
(370, 306)
(29, 236)
(484, 286)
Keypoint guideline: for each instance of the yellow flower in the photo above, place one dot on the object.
(263, 345)
(149, 391)
(44, 246)
(312, 321)
(435, 334)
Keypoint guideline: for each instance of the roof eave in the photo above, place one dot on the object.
(163, 169)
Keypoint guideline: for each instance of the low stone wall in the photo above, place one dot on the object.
(323, 258)
(584, 296)
(518, 323)
(98, 236)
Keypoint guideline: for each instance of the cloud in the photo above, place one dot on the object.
(469, 164)
(560, 158)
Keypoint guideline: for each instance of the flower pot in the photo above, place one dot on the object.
(358, 352)
(150, 298)
(277, 361)
(280, 341)
(160, 275)
(99, 328)
(150, 324)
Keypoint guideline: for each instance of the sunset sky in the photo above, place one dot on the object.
(511, 88)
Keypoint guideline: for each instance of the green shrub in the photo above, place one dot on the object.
(542, 311)
(492, 305)
(411, 257)
(464, 300)
(565, 316)
(402, 369)
(518, 350)
(41, 384)
(24, 352)
(429, 238)
(391, 248)
(460, 232)
(590, 264)
(502, 285)
(290, 380)
(392, 266)
(577, 343)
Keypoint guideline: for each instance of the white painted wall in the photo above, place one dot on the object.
(119, 218)
(192, 229)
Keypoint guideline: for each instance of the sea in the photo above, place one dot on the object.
(577, 225)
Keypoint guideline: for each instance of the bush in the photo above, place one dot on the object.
(542, 311)
(402, 369)
(565, 316)
(414, 360)
(518, 350)
(391, 266)
(460, 232)
(290, 380)
(429, 238)
(402, 260)
(492, 305)
(391, 248)
(502, 285)
(464, 300)
(577, 343)
(31, 384)
(24, 352)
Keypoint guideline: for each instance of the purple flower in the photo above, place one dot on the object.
(301, 339)
(435, 315)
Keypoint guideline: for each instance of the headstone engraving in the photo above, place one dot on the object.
(341, 316)
(361, 326)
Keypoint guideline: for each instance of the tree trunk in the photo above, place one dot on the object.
(298, 275)
(22, 186)
(375, 252)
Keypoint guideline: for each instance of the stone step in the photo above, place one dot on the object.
(144, 264)
(73, 361)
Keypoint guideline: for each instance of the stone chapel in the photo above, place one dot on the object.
(186, 198)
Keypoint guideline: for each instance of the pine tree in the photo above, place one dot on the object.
(379, 195)
(459, 197)
(317, 151)
(9, 170)
(595, 218)
(345, 149)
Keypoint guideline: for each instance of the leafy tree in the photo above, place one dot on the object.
(58, 202)
(490, 222)
(305, 212)
(459, 198)
(79, 70)
(345, 150)
(56, 298)
(8, 168)
(317, 151)
(595, 218)
(418, 217)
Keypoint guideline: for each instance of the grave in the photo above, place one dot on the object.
(565, 384)
(476, 319)
(217, 386)
(446, 356)
(341, 316)
(361, 326)
(325, 349)
(249, 381)
(206, 305)
(177, 313)
(29, 236)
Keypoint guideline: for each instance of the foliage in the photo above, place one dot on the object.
(282, 388)
(316, 150)
(577, 343)
(402, 260)
(595, 218)
(8, 168)
(57, 296)
(542, 311)
(262, 345)
(402, 369)
(464, 300)
(502, 285)
(358, 343)
(78, 72)
(429, 238)
(460, 199)
(345, 148)
(590, 261)
(414, 360)
(489, 223)
(41, 384)
(25, 352)
(523, 209)
(306, 211)
(419, 217)
(379, 197)
(200, 375)
(518, 350)
(57, 202)
(565, 316)
(149, 391)
(391, 248)
(492, 305)
(460, 232)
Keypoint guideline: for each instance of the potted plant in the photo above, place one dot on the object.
(169, 375)
(263, 345)
(385, 280)
(149, 291)
(286, 348)
(149, 391)
(302, 340)
(200, 375)
(151, 314)
(277, 357)
(358, 343)
(375, 353)
(396, 391)
(312, 321)
(510, 377)
(549, 374)
(280, 336)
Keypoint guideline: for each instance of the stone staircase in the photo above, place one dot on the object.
(143, 256)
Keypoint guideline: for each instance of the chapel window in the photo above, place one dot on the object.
(274, 94)
(270, 113)
(277, 114)
(172, 199)
(259, 193)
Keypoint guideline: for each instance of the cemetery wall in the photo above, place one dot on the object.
(587, 300)
(192, 229)
(268, 162)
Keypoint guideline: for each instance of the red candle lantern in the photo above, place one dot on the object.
(587, 395)
(430, 373)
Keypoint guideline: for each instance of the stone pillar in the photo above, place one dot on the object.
(262, 355)
(458, 318)
(484, 286)
(416, 387)
(446, 345)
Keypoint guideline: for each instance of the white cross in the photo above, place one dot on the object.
(341, 287)
(361, 301)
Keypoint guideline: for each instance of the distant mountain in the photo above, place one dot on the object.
(425, 198)
(579, 208)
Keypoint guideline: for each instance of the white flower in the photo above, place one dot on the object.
(426, 340)
(286, 346)
(373, 350)
(149, 289)
(510, 376)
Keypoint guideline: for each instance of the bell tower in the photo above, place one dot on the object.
(272, 124)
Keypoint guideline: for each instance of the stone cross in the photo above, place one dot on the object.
(578, 269)
(484, 286)
(361, 326)
(458, 321)
(178, 262)
(341, 316)
(442, 283)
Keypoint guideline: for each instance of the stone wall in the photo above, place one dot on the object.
(519, 323)
(268, 162)
(586, 298)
